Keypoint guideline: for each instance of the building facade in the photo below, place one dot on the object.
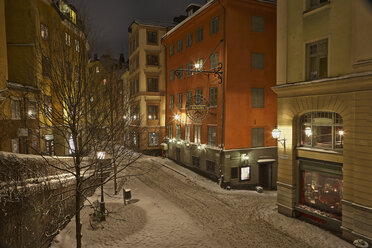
(147, 84)
(31, 27)
(324, 88)
(220, 113)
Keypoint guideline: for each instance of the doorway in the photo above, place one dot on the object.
(265, 175)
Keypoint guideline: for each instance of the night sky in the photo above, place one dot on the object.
(109, 19)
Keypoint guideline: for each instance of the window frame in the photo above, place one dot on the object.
(318, 56)
(257, 24)
(256, 94)
(179, 45)
(197, 134)
(214, 25)
(171, 101)
(213, 97)
(212, 141)
(178, 131)
(149, 35)
(257, 129)
(179, 100)
(153, 144)
(189, 40)
(187, 133)
(199, 34)
(152, 110)
(15, 108)
(256, 61)
(151, 61)
(152, 84)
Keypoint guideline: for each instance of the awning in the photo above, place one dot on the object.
(266, 160)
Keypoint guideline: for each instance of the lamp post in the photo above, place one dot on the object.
(101, 156)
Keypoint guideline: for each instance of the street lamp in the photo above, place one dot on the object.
(276, 135)
(101, 156)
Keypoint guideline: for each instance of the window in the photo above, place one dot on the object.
(153, 139)
(317, 59)
(46, 66)
(178, 132)
(47, 105)
(135, 111)
(170, 131)
(189, 40)
(15, 145)
(322, 130)
(44, 31)
(199, 94)
(195, 161)
(197, 133)
(257, 61)
(214, 60)
(213, 97)
(68, 71)
(152, 59)
(211, 165)
(321, 187)
(258, 137)
(152, 37)
(179, 45)
(171, 50)
(31, 110)
(313, 4)
(214, 25)
(245, 173)
(179, 72)
(199, 34)
(258, 97)
(15, 106)
(77, 46)
(153, 112)
(187, 133)
(212, 136)
(179, 101)
(200, 63)
(258, 24)
(97, 69)
(152, 84)
(171, 101)
(188, 98)
(134, 86)
(171, 75)
(73, 16)
(234, 173)
(67, 39)
(189, 67)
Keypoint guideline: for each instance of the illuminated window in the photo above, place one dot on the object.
(153, 139)
(153, 112)
(179, 101)
(97, 69)
(170, 131)
(67, 39)
(197, 134)
(178, 132)
(245, 173)
(322, 130)
(187, 132)
(44, 31)
(73, 16)
(31, 110)
(212, 135)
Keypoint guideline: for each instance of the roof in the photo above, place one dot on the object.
(204, 7)
(152, 23)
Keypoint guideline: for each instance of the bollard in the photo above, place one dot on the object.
(127, 195)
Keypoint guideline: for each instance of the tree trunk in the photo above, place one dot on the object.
(77, 213)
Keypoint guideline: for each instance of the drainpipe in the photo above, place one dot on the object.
(223, 87)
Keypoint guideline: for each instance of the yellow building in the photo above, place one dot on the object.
(32, 25)
(147, 82)
(324, 88)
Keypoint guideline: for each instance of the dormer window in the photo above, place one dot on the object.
(44, 31)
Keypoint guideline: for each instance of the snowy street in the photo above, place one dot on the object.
(174, 207)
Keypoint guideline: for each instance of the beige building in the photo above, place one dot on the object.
(324, 88)
(147, 83)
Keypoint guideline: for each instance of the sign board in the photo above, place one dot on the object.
(22, 132)
(283, 156)
(197, 108)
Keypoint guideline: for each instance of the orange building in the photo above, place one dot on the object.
(219, 119)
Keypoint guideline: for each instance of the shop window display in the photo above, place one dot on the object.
(322, 129)
(322, 191)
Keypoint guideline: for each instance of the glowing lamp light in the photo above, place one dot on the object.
(30, 113)
(197, 66)
(101, 155)
(178, 142)
(199, 147)
(177, 117)
(275, 133)
(341, 132)
(308, 131)
(245, 157)
(150, 117)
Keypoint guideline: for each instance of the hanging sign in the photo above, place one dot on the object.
(197, 108)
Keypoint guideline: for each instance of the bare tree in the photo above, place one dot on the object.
(84, 114)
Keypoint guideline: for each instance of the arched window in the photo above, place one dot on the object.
(322, 129)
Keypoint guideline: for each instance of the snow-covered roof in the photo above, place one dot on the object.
(204, 7)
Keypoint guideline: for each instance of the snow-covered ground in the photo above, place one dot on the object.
(174, 207)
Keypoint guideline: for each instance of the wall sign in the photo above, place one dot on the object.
(197, 108)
